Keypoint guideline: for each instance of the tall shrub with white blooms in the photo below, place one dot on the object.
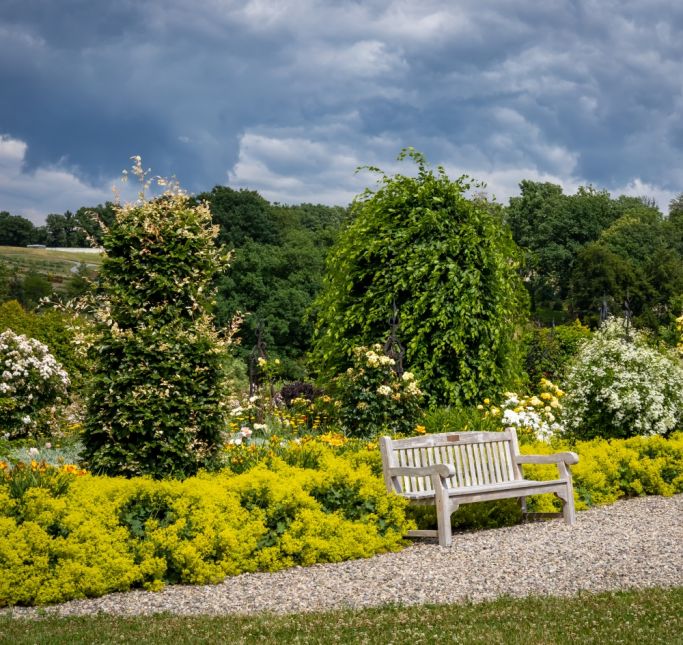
(618, 386)
(158, 393)
(31, 380)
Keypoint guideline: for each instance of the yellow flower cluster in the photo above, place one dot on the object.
(72, 469)
(41, 467)
(334, 439)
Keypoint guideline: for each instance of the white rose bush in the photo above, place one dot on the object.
(618, 386)
(374, 398)
(31, 382)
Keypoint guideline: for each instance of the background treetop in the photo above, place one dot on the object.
(446, 263)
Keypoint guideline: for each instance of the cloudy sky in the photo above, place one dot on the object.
(288, 97)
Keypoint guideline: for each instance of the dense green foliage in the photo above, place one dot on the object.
(157, 397)
(60, 230)
(585, 254)
(552, 228)
(446, 263)
(15, 230)
(589, 253)
(101, 534)
(549, 349)
(279, 254)
(634, 262)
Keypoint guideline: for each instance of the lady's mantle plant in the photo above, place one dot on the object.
(374, 399)
(31, 381)
(157, 399)
(618, 387)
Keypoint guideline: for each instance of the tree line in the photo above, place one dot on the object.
(583, 256)
(60, 230)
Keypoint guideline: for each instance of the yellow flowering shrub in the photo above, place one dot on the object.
(612, 468)
(105, 534)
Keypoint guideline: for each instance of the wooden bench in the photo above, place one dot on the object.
(450, 469)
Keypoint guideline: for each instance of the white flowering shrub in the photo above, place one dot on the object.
(534, 417)
(618, 387)
(31, 380)
(374, 399)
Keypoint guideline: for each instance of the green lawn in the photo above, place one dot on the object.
(638, 617)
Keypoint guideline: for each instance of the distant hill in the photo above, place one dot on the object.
(57, 265)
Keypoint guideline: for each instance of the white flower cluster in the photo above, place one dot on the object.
(620, 382)
(376, 358)
(23, 359)
(29, 375)
(530, 414)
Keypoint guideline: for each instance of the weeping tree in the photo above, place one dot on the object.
(448, 264)
(158, 389)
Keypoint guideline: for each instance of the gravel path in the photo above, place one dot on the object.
(631, 544)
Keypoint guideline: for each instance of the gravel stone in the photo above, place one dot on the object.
(635, 543)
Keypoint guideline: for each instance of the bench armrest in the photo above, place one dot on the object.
(443, 470)
(559, 457)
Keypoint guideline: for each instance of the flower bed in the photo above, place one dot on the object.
(70, 535)
(95, 535)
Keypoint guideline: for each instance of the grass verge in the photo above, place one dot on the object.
(642, 617)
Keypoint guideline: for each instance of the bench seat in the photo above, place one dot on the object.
(489, 489)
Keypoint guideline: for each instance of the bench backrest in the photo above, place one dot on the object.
(478, 458)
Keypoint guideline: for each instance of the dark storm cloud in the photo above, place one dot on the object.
(289, 96)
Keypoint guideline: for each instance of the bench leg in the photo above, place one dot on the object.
(522, 504)
(443, 519)
(568, 510)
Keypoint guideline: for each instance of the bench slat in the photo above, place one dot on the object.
(417, 458)
(465, 465)
(412, 481)
(486, 449)
(507, 461)
(495, 456)
(449, 439)
(405, 483)
(475, 467)
(481, 463)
